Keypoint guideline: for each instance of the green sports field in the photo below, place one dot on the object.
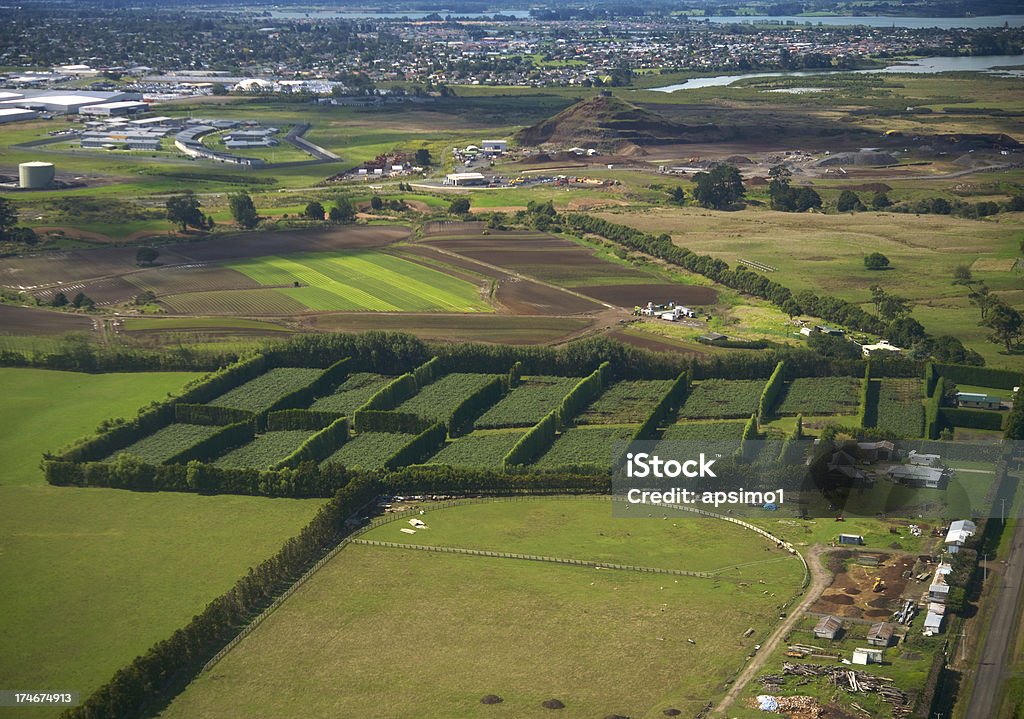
(94, 577)
(354, 281)
(371, 633)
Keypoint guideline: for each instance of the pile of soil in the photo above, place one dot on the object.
(670, 712)
(552, 704)
(491, 699)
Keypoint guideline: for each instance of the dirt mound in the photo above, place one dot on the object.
(552, 704)
(863, 158)
(738, 160)
(616, 716)
(609, 123)
(491, 699)
(837, 598)
(670, 712)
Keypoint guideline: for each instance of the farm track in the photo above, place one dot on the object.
(820, 580)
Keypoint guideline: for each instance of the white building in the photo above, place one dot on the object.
(882, 346)
(867, 656)
(115, 109)
(959, 532)
(16, 114)
(464, 179)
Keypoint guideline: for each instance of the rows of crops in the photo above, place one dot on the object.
(685, 431)
(820, 396)
(528, 403)
(369, 450)
(351, 394)
(580, 446)
(258, 394)
(165, 443)
(235, 302)
(265, 450)
(899, 407)
(363, 280)
(191, 278)
(625, 402)
(479, 450)
(723, 399)
(439, 399)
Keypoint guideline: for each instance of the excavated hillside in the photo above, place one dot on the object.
(610, 124)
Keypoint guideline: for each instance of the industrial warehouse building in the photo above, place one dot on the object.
(62, 102)
(115, 109)
(16, 114)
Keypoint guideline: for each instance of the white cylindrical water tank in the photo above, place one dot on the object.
(35, 175)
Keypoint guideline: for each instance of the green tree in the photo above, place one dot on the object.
(146, 255)
(218, 89)
(342, 212)
(962, 275)
(183, 210)
(59, 300)
(1007, 325)
(82, 300)
(314, 211)
(880, 201)
(849, 202)
(676, 196)
(719, 188)
(876, 261)
(243, 210)
(459, 206)
(376, 203)
(8, 217)
(422, 157)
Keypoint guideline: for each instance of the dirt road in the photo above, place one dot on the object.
(820, 579)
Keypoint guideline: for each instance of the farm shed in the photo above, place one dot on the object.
(828, 627)
(867, 656)
(464, 179)
(880, 634)
(933, 623)
(975, 400)
(881, 346)
(713, 338)
(924, 460)
(924, 477)
(851, 539)
(959, 532)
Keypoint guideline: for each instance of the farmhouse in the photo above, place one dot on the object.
(880, 634)
(881, 346)
(917, 476)
(828, 627)
(975, 400)
(874, 451)
(464, 179)
(959, 532)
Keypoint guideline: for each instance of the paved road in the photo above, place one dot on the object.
(1001, 635)
(820, 579)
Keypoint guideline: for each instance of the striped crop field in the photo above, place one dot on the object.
(361, 281)
(235, 302)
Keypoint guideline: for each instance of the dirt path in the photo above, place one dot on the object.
(820, 579)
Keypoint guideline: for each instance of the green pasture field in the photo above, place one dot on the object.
(125, 551)
(483, 449)
(528, 631)
(924, 250)
(361, 280)
(900, 407)
(584, 528)
(199, 324)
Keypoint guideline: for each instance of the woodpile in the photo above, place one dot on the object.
(848, 680)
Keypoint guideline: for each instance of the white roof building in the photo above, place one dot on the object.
(882, 346)
(16, 114)
(959, 532)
